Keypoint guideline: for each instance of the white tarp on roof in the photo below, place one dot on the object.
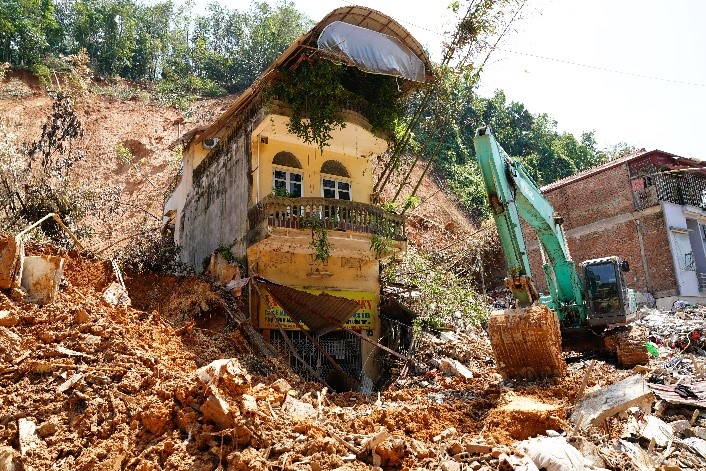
(372, 51)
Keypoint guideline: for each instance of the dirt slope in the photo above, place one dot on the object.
(143, 127)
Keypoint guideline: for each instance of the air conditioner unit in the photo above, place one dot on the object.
(209, 143)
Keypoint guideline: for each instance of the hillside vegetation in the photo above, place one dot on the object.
(178, 55)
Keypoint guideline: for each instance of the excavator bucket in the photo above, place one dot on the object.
(526, 342)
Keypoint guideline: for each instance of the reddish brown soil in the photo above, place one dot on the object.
(116, 387)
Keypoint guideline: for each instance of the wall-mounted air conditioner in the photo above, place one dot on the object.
(209, 143)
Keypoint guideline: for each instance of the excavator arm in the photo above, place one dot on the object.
(512, 195)
(527, 341)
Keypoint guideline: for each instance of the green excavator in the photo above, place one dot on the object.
(527, 341)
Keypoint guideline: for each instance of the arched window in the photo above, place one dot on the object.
(285, 181)
(286, 159)
(334, 167)
(335, 181)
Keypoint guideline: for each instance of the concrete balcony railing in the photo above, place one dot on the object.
(333, 214)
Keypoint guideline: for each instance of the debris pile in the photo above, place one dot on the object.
(176, 379)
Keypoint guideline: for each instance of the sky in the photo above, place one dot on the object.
(634, 71)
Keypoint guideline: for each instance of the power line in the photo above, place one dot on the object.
(604, 69)
(553, 59)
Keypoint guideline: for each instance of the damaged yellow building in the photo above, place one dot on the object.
(300, 213)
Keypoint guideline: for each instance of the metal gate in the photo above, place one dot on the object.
(343, 346)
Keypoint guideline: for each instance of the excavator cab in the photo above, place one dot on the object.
(608, 299)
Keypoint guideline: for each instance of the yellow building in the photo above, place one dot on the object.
(291, 212)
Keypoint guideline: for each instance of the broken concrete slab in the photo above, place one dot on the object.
(11, 261)
(63, 351)
(281, 386)
(658, 430)
(455, 367)
(10, 459)
(69, 383)
(28, 438)
(116, 295)
(552, 454)
(591, 453)
(227, 374)
(298, 410)
(222, 270)
(217, 410)
(249, 405)
(450, 465)
(448, 433)
(697, 445)
(9, 344)
(41, 276)
(478, 448)
(598, 405)
(638, 457)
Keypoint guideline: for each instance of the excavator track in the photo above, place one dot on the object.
(526, 343)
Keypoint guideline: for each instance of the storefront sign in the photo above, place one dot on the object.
(363, 319)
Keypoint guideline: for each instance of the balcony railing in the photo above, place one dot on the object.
(333, 214)
(686, 189)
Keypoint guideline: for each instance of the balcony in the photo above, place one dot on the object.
(682, 189)
(294, 217)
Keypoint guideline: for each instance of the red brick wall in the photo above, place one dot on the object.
(594, 201)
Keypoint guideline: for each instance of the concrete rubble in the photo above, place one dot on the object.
(88, 384)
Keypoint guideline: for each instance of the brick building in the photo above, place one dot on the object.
(648, 208)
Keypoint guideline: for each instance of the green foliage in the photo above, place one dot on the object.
(445, 298)
(381, 239)
(204, 54)
(411, 202)
(281, 191)
(532, 139)
(43, 74)
(319, 240)
(318, 91)
(316, 96)
(391, 207)
(125, 156)
(28, 29)
(226, 253)
(152, 251)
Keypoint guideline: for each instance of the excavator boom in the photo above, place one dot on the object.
(527, 341)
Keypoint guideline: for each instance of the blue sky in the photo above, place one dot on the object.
(632, 70)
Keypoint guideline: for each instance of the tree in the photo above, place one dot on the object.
(28, 28)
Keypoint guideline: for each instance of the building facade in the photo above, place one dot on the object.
(295, 213)
(647, 208)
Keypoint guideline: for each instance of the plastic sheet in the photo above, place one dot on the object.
(372, 51)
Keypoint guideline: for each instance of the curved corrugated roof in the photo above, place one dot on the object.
(355, 15)
(376, 21)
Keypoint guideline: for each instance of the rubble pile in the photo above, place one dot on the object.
(173, 380)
